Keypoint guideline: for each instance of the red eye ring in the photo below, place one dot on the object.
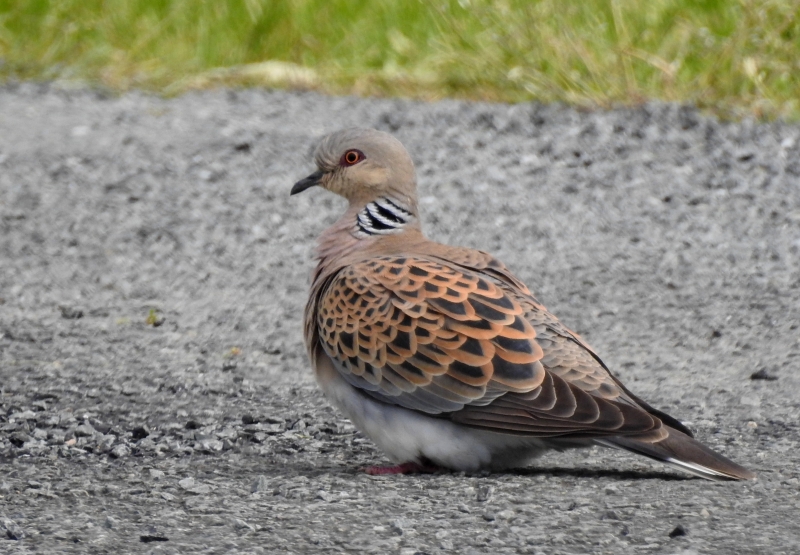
(351, 157)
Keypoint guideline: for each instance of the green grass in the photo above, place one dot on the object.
(736, 58)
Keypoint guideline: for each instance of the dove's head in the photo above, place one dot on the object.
(362, 165)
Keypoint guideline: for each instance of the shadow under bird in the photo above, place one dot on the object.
(441, 355)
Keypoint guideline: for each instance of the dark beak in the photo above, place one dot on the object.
(308, 182)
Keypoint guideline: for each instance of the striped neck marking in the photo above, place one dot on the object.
(382, 217)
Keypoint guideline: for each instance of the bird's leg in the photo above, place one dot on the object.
(405, 468)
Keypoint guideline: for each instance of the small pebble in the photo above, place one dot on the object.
(484, 493)
(243, 526)
(149, 538)
(325, 496)
(12, 529)
(190, 485)
(763, 374)
(678, 531)
(140, 432)
(249, 419)
(118, 452)
(70, 313)
(85, 430)
(399, 526)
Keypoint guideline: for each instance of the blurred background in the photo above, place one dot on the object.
(735, 58)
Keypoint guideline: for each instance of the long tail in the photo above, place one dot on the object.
(681, 451)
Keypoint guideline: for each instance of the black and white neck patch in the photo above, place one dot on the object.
(382, 217)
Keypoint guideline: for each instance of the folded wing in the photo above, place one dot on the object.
(471, 345)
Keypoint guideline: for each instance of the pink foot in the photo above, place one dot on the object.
(405, 468)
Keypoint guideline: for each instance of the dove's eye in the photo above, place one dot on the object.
(351, 157)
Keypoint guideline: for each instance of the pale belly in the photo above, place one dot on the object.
(410, 436)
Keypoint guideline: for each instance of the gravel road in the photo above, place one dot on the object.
(154, 391)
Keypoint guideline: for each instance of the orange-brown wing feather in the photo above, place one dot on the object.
(408, 324)
(469, 345)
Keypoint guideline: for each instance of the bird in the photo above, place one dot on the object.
(441, 355)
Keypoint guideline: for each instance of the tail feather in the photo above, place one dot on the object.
(683, 452)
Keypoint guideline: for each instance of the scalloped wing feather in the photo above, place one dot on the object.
(470, 344)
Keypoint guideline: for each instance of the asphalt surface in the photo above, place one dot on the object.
(155, 395)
